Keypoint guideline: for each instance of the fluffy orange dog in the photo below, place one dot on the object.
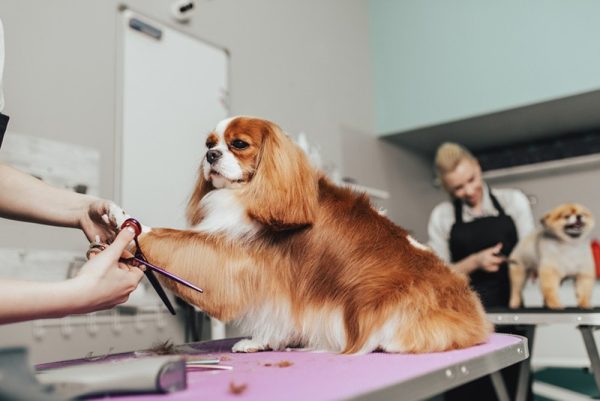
(559, 250)
(298, 261)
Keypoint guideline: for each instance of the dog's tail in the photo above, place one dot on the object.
(447, 329)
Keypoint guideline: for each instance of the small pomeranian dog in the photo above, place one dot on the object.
(559, 250)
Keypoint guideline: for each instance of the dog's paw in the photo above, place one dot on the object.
(515, 303)
(555, 305)
(584, 304)
(117, 216)
(248, 345)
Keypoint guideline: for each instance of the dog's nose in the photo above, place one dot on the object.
(213, 155)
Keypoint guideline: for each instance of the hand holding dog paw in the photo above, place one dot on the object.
(103, 281)
(490, 259)
(95, 221)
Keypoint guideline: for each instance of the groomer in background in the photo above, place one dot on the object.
(474, 232)
(102, 283)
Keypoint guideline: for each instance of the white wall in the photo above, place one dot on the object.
(405, 175)
(303, 64)
(437, 61)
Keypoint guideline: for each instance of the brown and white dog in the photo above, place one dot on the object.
(560, 249)
(298, 261)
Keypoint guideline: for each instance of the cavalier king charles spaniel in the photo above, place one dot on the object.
(297, 261)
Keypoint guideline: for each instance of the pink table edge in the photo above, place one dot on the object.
(326, 376)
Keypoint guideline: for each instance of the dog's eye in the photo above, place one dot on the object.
(239, 144)
(210, 144)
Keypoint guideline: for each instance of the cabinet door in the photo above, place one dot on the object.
(171, 91)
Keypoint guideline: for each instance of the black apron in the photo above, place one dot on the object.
(493, 288)
(3, 125)
(479, 234)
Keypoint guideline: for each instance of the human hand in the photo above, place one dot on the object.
(103, 282)
(95, 221)
(490, 259)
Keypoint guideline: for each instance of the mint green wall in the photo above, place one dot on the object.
(438, 61)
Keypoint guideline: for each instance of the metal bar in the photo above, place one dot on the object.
(590, 345)
(499, 386)
(575, 317)
(525, 369)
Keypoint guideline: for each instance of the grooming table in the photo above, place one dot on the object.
(302, 375)
(586, 320)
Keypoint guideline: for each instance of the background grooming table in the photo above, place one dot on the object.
(326, 376)
(586, 320)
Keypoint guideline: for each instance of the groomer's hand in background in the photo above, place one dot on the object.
(490, 259)
(102, 283)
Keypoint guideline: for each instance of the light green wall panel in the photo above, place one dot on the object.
(440, 61)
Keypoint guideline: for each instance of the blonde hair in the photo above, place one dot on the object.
(448, 155)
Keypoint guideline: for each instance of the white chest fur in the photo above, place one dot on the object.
(570, 257)
(224, 213)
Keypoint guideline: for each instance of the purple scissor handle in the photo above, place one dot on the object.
(140, 259)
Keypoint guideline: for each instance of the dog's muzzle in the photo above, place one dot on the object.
(575, 230)
(213, 155)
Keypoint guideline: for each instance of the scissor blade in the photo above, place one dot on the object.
(169, 275)
(159, 290)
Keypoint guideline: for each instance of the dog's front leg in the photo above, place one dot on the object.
(118, 216)
(550, 283)
(584, 283)
(518, 275)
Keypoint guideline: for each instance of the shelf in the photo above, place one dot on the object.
(562, 165)
(572, 114)
(153, 316)
(539, 169)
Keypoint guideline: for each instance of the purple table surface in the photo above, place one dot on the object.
(326, 376)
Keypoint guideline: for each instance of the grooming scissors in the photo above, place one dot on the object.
(139, 259)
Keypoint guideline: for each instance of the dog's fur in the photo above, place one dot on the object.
(560, 249)
(298, 261)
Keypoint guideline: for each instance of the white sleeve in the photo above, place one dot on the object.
(522, 214)
(439, 234)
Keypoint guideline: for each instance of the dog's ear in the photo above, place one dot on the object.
(194, 212)
(283, 192)
(544, 220)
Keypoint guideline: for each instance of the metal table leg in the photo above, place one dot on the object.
(590, 345)
(525, 369)
(499, 386)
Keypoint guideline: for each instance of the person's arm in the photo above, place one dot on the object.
(521, 214)
(487, 259)
(102, 283)
(25, 198)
